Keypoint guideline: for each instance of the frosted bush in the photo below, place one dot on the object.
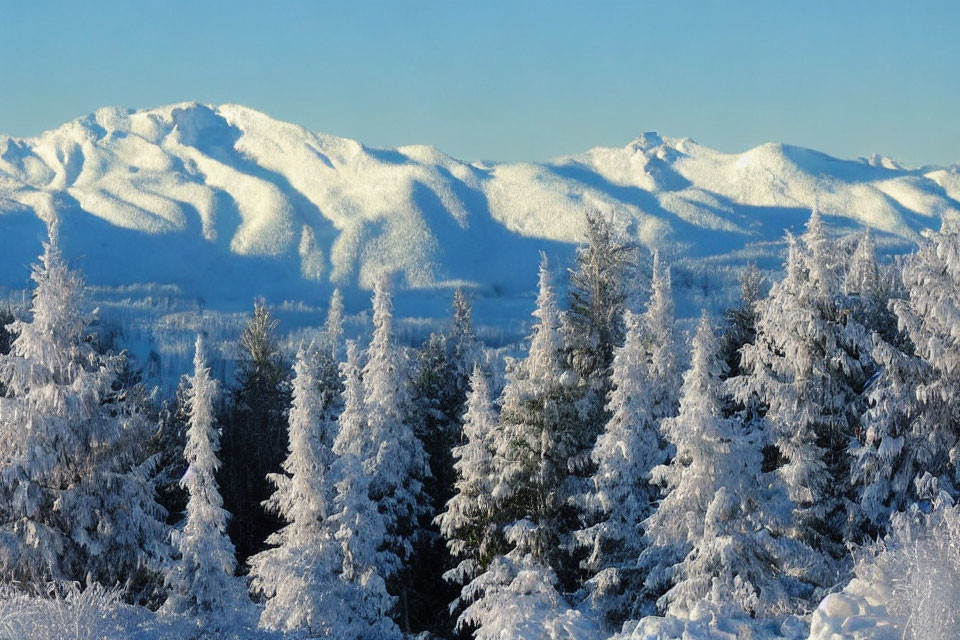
(919, 566)
(65, 612)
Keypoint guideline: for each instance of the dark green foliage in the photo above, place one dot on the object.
(168, 443)
(439, 391)
(597, 298)
(254, 441)
(741, 320)
(593, 327)
(6, 338)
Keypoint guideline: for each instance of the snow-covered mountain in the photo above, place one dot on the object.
(226, 203)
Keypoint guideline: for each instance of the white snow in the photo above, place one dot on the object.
(215, 194)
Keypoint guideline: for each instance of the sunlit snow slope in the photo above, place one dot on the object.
(227, 203)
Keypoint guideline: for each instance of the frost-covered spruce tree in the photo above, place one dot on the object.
(444, 366)
(721, 514)
(910, 444)
(333, 328)
(537, 437)
(360, 533)
(620, 495)
(869, 289)
(518, 591)
(398, 463)
(465, 350)
(201, 579)
(325, 358)
(6, 337)
(901, 457)
(593, 324)
(440, 394)
(353, 437)
(660, 319)
(806, 371)
(517, 596)
(863, 276)
(76, 496)
(295, 575)
(468, 521)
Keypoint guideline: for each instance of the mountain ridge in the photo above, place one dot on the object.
(242, 202)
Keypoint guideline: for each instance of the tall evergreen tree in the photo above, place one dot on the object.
(718, 535)
(333, 328)
(806, 371)
(599, 288)
(398, 462)
(255, 434)
(6, 336)
(660, 320)
(464, 349)
(467, 522)
(863, 276)
(869, 290)
(353, 437)
(361, 533)
(538, 440)
(77, 498)
(436, 406)
(908, 448)
(360, 529)
(201, 579)
(620, 495)
(440, 393)
(296, 574)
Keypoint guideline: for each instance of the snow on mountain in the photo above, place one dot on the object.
(227, 203)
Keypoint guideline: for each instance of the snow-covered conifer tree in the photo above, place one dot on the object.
(333, 328)
(718, 535)
(467, 523)
(620, 496)
(352, 435)
(201, 579)
(863, 277)
(869, 289)
(741, 320)
(530, 455)
(296, 574)
(806, 370)
(517, 596)
(360, 532)
(824, 264)
(593, 325)
(909, 446)
(398, 463)
(659, 319)
(537, 436)
(76, 495)
(465, 349)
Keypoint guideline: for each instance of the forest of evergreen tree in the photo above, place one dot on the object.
(618, 469)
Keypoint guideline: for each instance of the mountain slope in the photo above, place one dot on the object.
(227, 203)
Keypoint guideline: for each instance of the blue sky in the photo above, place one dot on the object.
(509, 80)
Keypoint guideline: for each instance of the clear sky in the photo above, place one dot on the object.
(519, 80)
